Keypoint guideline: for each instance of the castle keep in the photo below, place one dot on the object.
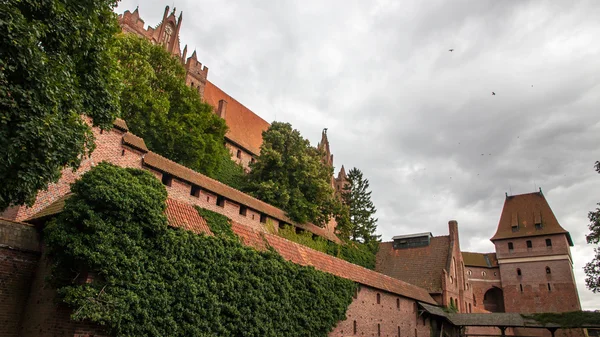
(416, 273)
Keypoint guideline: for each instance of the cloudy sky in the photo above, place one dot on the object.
(421, 122)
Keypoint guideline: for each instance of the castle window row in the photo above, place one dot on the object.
(529, 245)
(548, 271)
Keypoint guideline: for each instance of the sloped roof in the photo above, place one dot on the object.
(163, 164)
(245, 127)
(421, 266)
(525, 210)
(485, 260)
(185, 216)
(135, 142)
(50, 210)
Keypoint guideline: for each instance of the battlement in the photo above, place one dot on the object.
(195, 68)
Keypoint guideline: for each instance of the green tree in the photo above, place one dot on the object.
(159, 107)
(55, 65)
(592, 268)
(289, 174)
(357, 197)
(152, 280)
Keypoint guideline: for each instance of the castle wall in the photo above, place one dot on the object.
(392, 315)
(481, 280)
(239, 155)
(455, 281)
(19, 255)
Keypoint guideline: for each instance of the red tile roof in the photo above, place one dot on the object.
(305, 256)
(421, 266)
(485, 260)
(120, 124)
(245, 127)
(163, 164)
(524, 211)
(135, 142)
(249, 237)
(182, 215)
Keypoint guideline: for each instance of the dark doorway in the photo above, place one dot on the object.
(493, 300)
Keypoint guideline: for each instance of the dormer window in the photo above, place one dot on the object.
(538, 226)
(515, 228)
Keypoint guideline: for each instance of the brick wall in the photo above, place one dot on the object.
(43, 316)
(19, 255)
(455, 281)
(560, 246)
(480, 280)
(242, 157)
(387, 314)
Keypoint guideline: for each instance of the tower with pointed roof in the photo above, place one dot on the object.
(534, 257)
(341, 180)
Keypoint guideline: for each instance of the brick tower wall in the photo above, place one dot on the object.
(536, 290)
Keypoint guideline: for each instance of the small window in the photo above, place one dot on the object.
(474, 300)
(243, 210)
(167, 179)
(483, 273)
(495, 274)
(469, 272)
(356, 292)
(548, 271)
(529, 245)
(398, 303)
(220, 201)
(378, 329)
(510, 246)
(192, 84)
(239, 154)
(252, 160)
(378, 298)
(263, 218)
(518, 271)
(398, 331)
(354, 327)
(252, 216)
(538, 226)
(521, 286)
(470, 311)
(122, 152)
(515, 229)
(549, 288)
(207, 199)
(548, 242)
(195, 191)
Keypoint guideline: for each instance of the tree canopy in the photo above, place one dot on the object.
(159, 107)
(357, 197)
(290, 174)
(55, 65)
(152, 280)
(592, 268)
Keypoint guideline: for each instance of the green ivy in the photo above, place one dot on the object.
(219, 224)
(573, 319)
(353, 252)
(152, 280)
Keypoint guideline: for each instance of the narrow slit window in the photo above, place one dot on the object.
(239, 154)
(167, 179)
(518, 271)
(549, 288)
(529, 244)
(548, 271)
(378, 298)
(378, 329)
(354, 327)
(398, 331)
(511, 246)
(398, 303)
(548, 242)
(521, 286)
(195, 191)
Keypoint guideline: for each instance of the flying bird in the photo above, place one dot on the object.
(493, 93)
(451, 50)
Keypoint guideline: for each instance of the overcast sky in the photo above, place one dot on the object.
(419, 121)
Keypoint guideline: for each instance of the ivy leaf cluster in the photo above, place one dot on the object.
(152, 280)
(592, 268)
(55, 65)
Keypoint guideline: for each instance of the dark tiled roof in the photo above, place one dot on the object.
(248, 236)
(421, 266)
(182, 215)
(120, 124)
(485, 260)
(308, 257)
(245, 127)
(135, 142)
(525, 210)
(50, 210)
(163, 164)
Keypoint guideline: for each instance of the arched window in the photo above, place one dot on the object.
(548, 271)
(378, 298)
(518, 271)
(483, 273)
(469, 272)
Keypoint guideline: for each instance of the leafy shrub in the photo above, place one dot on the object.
(150, 280)
(218, 223)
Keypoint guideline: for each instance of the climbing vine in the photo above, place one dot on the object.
(218, 223)
(152, 280)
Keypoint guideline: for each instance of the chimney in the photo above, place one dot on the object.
(222, 109)
(453, 229)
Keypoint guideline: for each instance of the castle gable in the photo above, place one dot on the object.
(527, 215)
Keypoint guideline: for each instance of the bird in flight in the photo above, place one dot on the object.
(493, 93)
(451, 49)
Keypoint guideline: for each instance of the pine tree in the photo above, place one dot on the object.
(357, 197)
